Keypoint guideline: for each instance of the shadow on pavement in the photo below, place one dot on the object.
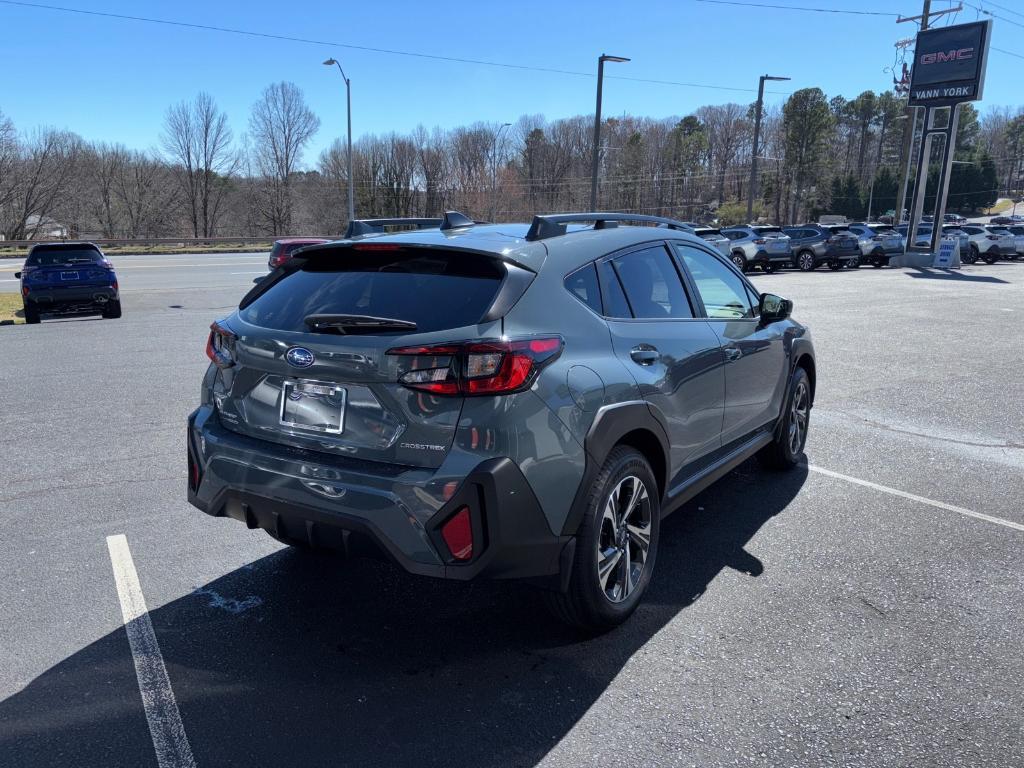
(306, 660)
(935, 274)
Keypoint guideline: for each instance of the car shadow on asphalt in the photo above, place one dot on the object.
(934, 274)
(306, 660)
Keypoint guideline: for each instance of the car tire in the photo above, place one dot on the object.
(606, 585)
(971, 257)
(990, 259)
(739, 260)
(31, 312)
(805, 261)
(877, 263)
(853, 263)
(768, 267)
(112, 310)
(787, 447)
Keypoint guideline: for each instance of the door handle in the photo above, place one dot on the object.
(732, 354)
(644, 354)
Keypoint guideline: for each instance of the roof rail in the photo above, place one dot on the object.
(451, 220)
(553, 225)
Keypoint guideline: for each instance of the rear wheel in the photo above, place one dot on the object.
(740, 261)
(990, 259)
(791, 434)
(805, 261)
(971, 256)
(615, 547)
(112, 310)
(31, 312)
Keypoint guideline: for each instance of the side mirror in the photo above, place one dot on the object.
(17, 275)
(774, 308)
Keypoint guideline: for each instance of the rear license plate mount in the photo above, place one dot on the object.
(68, 275)
(313, 406)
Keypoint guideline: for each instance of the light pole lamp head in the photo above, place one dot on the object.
(330, 63)
(606, 57)
(774, 77)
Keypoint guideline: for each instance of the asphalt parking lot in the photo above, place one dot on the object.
(863, 610)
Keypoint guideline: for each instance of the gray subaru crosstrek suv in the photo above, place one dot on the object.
(508, 400)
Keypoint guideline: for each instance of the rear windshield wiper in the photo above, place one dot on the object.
(356, 323)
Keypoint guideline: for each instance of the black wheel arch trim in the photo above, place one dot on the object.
(611, 424)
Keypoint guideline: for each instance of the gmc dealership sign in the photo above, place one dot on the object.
(949, 64)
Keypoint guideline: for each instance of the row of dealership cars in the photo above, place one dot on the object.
(809, 246)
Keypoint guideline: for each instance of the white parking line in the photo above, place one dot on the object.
(261, 272)
(919, 499)
(165, 726)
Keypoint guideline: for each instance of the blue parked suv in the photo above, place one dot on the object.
(68, 278)
(507, 400)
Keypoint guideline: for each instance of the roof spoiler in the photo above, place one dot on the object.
(451, 220)
(554, 225)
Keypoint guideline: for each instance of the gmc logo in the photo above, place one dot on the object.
(942, 56)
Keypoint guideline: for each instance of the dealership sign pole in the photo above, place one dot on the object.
(949, 69)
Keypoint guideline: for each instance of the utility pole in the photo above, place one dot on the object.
(752, 187)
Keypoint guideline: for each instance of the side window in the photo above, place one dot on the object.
(724, 293)
(615, 304)
(583, 285)
(652, 284)
(732, 234)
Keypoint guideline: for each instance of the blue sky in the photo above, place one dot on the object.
(113, 80)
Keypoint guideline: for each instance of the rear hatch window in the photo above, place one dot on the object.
(57, 257)
(435, 290)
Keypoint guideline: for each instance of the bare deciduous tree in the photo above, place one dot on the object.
(197, 141)
(281, 126)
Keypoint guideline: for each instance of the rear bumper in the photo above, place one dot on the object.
(70, 297)
(358, 508)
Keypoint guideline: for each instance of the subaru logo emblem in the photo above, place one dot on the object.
(300, 357)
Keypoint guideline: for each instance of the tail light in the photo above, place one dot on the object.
(760, 241)
(478, 368)
(220, 347)
(878, 238)
(993, 237)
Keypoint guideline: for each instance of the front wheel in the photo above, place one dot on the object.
(805, 261)
(615, 548)
(740, 261)
(971, 256)
(791, 432)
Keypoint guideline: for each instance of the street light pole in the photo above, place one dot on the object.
(348, 110)
(752, 187)
(494, 168)
(597, 125)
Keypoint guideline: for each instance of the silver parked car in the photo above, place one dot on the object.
(878, 242)
(1017, 230)
(758, 246)
(715, 238)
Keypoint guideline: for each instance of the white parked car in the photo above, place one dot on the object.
(987, 243)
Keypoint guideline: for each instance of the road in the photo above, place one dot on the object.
(864, 610)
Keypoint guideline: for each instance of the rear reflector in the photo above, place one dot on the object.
(458, 534)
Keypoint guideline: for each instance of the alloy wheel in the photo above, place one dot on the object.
(806, 261)
(798, 413)
(740, 262)
(625, 539)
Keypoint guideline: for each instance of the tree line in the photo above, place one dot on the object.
(203, 179)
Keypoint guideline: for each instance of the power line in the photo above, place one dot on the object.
(979, 9)
(1002, 8)
(799, 8)
(1008, 53)
(367, 48)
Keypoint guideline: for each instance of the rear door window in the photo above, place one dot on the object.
(436, 290)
